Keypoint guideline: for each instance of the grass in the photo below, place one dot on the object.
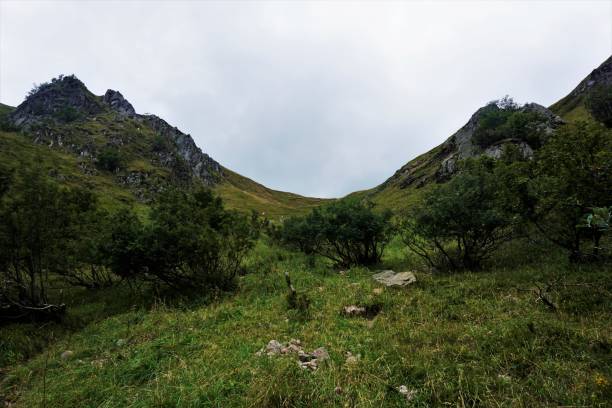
(472, 339)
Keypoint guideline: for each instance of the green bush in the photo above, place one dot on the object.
(504, 120)
(190, 241)
(461, 223)
(110, 159)
(39, 231)
(348, 232)
(572, 174)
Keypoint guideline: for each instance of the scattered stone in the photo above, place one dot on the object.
(321, 354)
(272, 348)
(407, 393)
(390, 278)
(504, 377)
(121, 342)
(353, 310)
(378, 291)
(294, 346)
(310, 365)
(351, 359)
(67, 355)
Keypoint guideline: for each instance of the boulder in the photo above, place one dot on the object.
(390, 278)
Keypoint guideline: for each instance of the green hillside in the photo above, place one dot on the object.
(148, 155)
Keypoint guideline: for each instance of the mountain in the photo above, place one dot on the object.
(102, 142)
(409, 182)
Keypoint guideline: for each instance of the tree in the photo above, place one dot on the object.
(461, 223)
(37, 235)
(190, 241)
(572, 175)
(110, 159)
(348, 232)
(599, 104)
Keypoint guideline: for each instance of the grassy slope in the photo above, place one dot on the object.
(237, 191)
(463, 340)
(243, 193)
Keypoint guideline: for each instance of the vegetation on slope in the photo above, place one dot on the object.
(461, 340)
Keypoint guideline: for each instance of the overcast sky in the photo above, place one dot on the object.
(318, 98)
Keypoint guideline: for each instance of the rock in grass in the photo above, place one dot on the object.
(390, 278)
(353, 310)
(407, 393)
(121, 342)
(320, 354)
(67, 355)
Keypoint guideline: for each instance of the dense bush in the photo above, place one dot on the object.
(110, 159)
(599, 104)
(504, 120)
(67, 114)
(460, 223)
(189, 241)
(348, 232)
(39, 230)
(572, 175)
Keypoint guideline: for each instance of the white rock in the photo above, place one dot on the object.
(390, 278)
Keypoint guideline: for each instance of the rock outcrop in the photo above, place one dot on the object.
(200, 164)
(118, 103)
(63, 96)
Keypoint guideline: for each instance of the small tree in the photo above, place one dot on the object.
(190, 241)
(348, 232)
(572, 174)
(37, 235)
(110, 159)
(462, 222)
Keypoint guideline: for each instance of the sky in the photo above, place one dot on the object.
(319, 98)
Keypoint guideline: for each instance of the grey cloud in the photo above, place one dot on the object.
(316, 98)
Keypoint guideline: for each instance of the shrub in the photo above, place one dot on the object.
(110, 159)
(190, 241)
(504, 120)
(38, 230)
(462, 222)
(67, 114)
(572, 174)
(348, 232)
(599, 104)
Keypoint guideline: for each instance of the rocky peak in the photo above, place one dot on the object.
(118, 103)
(64, 95)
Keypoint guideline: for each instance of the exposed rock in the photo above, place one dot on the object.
(406, 392)
(321, 354)
(118, 103)
(306, 360)
(67, 355)
(121, 342)
(378, 291)
(200, 164)
(351, 359)
(353, 310)
(50, 101)
(390, 278)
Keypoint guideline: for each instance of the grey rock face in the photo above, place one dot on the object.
(390, 278)
(118, 103)
(200, 164)
(51, 99)
(461, 144)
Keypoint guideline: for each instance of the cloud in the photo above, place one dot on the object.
(318, 98)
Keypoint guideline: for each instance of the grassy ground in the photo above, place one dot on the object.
(474, 339)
